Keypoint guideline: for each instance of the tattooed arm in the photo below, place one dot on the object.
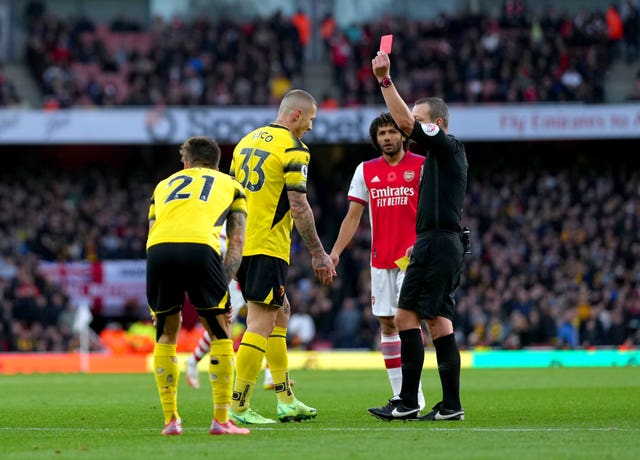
(306, 226)
(236, 223)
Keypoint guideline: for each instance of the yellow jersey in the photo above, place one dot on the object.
(191, 205)
(269, 162)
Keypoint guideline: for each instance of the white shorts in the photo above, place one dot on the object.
(385, 289)
(236, 298)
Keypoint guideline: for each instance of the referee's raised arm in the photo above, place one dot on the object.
(399, 110)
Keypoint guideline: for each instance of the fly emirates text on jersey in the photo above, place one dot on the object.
(391, 196)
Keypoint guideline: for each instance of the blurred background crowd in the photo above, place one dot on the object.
(518, 55)
(555, 263)
(555, 227)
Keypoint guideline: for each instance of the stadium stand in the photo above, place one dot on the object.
(475, 59)
(79, 63)
(555, 251)
(514, 57)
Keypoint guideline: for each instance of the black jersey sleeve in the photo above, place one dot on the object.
(430, 137)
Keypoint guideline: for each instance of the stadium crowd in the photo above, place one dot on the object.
(556, 254)
(555, 263)
(199, 62)
(516, 56)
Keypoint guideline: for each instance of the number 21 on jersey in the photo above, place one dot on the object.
(181, 182)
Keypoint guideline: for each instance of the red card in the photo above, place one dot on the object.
(385, 43)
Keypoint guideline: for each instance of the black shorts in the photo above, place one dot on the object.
(263, 279)
(433, 275)
(176, 268)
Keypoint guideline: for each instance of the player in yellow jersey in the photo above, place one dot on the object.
(183, 255)
(271, 164)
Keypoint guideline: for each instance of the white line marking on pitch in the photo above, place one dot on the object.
(496, 430)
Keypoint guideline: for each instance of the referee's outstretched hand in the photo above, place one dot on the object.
(381, 65)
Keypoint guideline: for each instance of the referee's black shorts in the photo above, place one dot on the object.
(433, 275)
(176, 268)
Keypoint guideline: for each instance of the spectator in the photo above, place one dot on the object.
(615, 29)
(303, 24)
(8, 95)
(302, 329)
(347, 324)
(631, 25)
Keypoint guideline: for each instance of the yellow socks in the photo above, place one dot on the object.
(167, 374)
(278, 360)
(221, 377)
(248, 365)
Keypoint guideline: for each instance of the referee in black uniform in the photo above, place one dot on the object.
(436, 262)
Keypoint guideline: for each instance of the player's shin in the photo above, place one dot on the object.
(221, 377)
(248, 365)
(278, 359)
(167, 373)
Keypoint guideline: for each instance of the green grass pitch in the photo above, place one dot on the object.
(559, 413)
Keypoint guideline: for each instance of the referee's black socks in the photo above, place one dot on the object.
(448, 357)
(412, 355)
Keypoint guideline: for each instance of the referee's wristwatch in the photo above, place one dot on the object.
(385, 82)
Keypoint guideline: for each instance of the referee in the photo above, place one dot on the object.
(434, 271)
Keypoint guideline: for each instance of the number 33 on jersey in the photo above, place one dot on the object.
(268, 163)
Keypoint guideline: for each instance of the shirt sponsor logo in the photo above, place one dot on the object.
(392, 196)
(391, 191)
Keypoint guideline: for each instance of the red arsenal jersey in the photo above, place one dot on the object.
(392, 195)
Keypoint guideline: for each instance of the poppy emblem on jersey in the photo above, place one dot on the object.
(409, 175)
(391, 177)
(281, 291)
(430, 129)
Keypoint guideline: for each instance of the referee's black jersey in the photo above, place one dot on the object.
(444, 181)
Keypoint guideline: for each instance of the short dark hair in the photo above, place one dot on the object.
(201, 151)
(438, 108)
(384, 119)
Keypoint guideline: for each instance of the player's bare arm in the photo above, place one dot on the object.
(306, 226)
(305, 222)
(400, 112)
(347, 231)
(236, 224)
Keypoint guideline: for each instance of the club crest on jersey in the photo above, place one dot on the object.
(409, 175)
(430, 129)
